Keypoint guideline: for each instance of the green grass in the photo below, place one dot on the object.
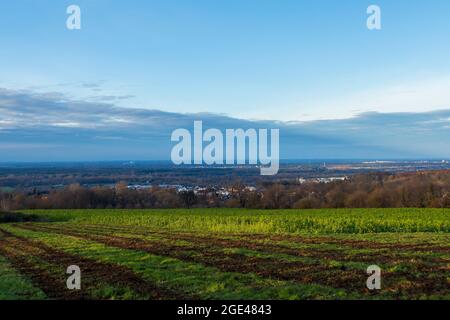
(190, 279)
(13, 286)
(240, 254)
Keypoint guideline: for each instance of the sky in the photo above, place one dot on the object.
(311, 67)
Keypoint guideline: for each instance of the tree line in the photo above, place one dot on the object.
(378, 190)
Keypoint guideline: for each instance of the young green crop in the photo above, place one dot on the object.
(249, 254)
(322, 221)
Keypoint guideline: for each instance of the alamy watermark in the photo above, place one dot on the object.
(374, 19)
(74, 280)
(73, 21)
(374, 280)
(212, 147)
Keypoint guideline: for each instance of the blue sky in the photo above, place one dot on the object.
(246, 58)
(285, 60)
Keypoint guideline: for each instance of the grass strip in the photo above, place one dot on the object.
(15, 286)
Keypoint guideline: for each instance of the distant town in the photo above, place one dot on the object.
(44, 177)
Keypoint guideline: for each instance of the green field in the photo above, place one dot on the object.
(227, 254)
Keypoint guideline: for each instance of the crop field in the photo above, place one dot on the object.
(226, 254)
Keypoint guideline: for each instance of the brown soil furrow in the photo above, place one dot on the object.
(229, 262)
(358, 244)
(51, 284)
(293, 271)
(375, 257)
(16, 249)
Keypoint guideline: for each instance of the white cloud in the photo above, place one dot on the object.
(67, 124)
(30, 117)
(424, 95)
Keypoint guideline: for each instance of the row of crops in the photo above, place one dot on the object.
(270, 221)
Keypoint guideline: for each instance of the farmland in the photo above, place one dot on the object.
(226, 254)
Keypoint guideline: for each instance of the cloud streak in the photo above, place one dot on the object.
(50, 127)
(423, 95)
